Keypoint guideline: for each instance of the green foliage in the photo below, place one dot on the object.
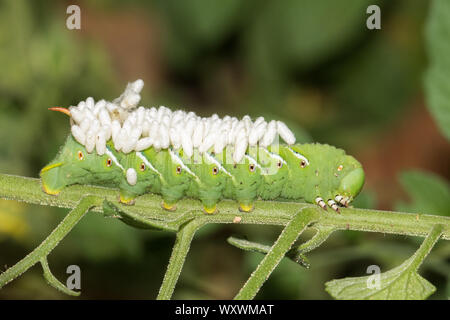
(401, 283)
(428, 193)
(436, 82)
(194, 26)
(43, 250)
(366, 199)
(284, 242)
(112, 240)
(287, 27)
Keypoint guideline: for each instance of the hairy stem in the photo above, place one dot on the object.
(284, 242)
(176, 262)
(53, 281)
(50, 242)
(426, 246)
(147, 208)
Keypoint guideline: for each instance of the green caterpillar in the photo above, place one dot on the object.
(328, 173)
(178, 154)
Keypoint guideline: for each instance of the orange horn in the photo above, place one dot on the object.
(60, 109)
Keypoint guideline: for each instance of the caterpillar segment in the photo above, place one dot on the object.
(176, 176)
(139, 177)
(210, 180)
(245, 182)
(179, 154)
(274, 172)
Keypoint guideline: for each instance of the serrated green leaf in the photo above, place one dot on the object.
(437, 84)
(400, 283)
(395, 284)
(428, 193)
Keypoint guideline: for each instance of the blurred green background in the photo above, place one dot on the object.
(312, 64)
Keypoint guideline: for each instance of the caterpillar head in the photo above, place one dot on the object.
(324, 172)
(74, 165)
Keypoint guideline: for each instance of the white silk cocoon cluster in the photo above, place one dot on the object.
(134, 128)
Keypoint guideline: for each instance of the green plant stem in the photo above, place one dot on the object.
(179, 252)
(426, 246)
(50, 242)
(249, 245)
(295, 254)
(147, 208)
(321, 235)
(53, 281)
(284, 242)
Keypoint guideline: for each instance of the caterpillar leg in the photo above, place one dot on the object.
(319, 201)
(330, 202)
(209, 209)
(126, 198)
(333, 205)
(209, 205)
(343, 201)
(246, 207)
(49, 191)
(168, 206)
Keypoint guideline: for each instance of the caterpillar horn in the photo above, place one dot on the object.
(60, 109)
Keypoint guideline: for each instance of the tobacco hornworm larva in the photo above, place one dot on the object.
(178, 154)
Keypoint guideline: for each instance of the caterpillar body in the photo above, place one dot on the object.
(177, 154)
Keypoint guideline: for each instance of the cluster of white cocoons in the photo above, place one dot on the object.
(135, 128)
